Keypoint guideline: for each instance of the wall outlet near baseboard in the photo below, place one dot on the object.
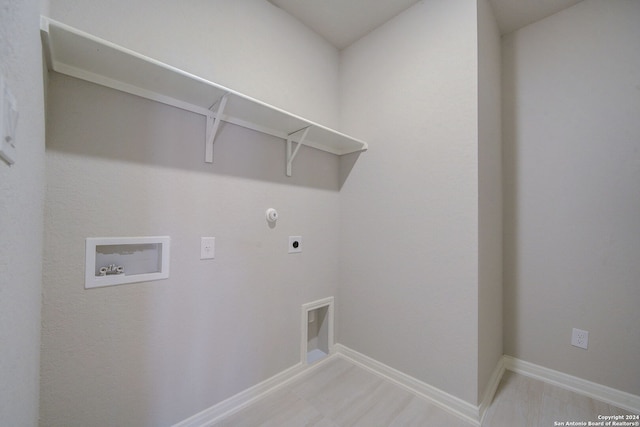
(580, 338)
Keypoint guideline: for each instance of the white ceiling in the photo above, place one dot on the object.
(342, 22)
(515, 14)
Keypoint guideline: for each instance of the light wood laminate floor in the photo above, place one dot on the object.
(341, 394)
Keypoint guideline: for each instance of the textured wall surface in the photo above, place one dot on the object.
(117, 165)
(409, 261)
(162, 351)
(21, 207)
(572, 204)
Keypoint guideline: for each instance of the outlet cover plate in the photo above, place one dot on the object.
(580, 338)
(295, 244)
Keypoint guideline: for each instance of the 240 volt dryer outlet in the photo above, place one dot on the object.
(295, 244)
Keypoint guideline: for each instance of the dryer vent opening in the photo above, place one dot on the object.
(317, 330)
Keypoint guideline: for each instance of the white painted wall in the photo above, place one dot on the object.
(152, 354)
(160, 352)
(21, 217)
(490, 347)
(572, 200)
(408, 295)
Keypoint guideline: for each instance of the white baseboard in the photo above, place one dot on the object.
(449, 403)
(627, 401)
(251, 395)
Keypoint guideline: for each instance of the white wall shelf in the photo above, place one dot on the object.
(78, 54)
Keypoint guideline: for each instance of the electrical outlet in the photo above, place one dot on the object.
(580, 338)
(295, 244)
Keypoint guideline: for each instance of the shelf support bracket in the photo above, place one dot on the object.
(292, 154)
(212, 129)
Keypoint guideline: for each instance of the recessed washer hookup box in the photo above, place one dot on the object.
(118, 260)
